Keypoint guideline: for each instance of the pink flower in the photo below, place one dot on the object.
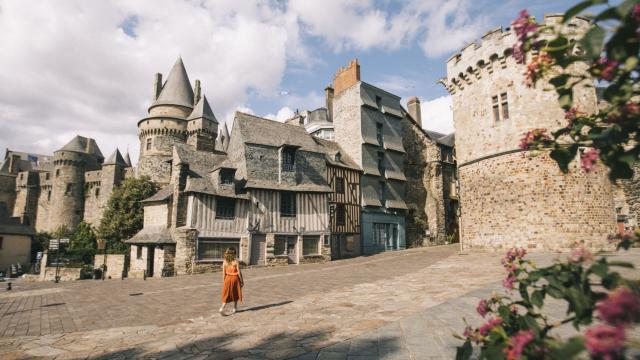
(620, 308)
(631, 109)
(605, 341)
(524, 27)
(471, 335)
(635, 14)
(588, 159)
(517, 344)
(571, 115)
(509, 281)
(532, 137)
(489, 325)
(482, 307)
(536, 68)
(580, 256)
(607, 68)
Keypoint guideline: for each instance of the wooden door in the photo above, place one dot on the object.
(258, 249)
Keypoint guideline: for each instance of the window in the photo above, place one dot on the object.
(57, 172)
(69, 189)
(383, 187)
(46, 176)
(498, 102)
(310, 245)
(138, 252)
(381, 163)
(505, 106)
(226, 176)
(280, 245)
(97, 191)
(288, 158)
(49, 195)
(340, 215)
(338, 157)
(340, 185)
(212, 249)
(225, 208)
(327, 240)
(379, 134)
(379, 102)
(148, 144)
(379, 233)
(287, 204)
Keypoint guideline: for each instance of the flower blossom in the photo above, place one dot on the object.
(532, 137)
(536, 68)
(489, 325)
(524, 27)
(580, 256)
(607, 68)
(619, 308)
(605, 341)
(635, 14)
(482, 308)
(517, 344)
(509, 281)
(588, 159)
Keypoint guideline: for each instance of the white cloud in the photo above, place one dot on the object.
(439, 26)
(437, 115)
(285, 113)
(70, 68)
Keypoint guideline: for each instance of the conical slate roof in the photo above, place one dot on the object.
(115, 159)
(127, 160)
(177, 89)
(83, 145)
(202, 110)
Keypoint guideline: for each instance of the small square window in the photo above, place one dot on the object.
(340, 185)
(340, 215)
(226, 176)
(287, 204)
(505, 106)
(69, 189)
(288, 158)
(149, 144)
(225, 208)
(47, 175)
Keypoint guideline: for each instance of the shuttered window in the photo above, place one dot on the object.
(212, 249)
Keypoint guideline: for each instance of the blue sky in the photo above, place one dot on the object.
(78, 67)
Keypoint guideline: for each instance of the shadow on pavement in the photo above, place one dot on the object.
(262, 307)
(298, 345)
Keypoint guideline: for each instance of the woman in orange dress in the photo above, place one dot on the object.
(232, 281)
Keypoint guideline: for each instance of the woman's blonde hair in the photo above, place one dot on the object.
(230, 255)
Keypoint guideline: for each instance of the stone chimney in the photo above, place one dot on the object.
(157, 86)
(197, 92)
(413, 106)
(328, 97)
(346, 77)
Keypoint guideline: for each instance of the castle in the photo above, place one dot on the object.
(511, 197)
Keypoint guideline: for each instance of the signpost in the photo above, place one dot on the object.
(56, 244)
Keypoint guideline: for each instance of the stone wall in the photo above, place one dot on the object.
(185, 258)
(8, 190)
(65, 274)
(525, 201)
(115, 265)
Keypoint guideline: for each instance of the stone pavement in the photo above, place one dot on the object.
(402, 305)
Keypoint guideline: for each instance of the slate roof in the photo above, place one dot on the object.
(26, 162)
(200, 162)
(448, 140)
(162, 195)
(306, 187)
(115, 159)
(84, 145)
(207, 186)
(127, 160)
(257, 130)
(330, 149)
(10, 225)
(202, 110)
(152, 235)
(177, 89)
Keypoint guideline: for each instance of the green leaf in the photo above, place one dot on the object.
(569, 349)
(464, 352)
(621, 264)
(577, 9)
(554, 292)
(592, 41)
(537, 298)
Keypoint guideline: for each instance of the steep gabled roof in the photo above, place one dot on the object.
(115, 159)
(257, 130)
(127, 159)
(177, 89)
(202, 110)
(330, 149)
(82, 144)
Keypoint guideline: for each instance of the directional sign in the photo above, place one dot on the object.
(53, 246)
(64, 241)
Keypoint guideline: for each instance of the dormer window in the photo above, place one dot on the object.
(288, 158)
(226, 176)
(338, 157)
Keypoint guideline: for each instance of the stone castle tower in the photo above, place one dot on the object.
(510, 197)
(178, 114)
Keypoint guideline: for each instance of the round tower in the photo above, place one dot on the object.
(67, 193)
(511, 197)
(166, 124)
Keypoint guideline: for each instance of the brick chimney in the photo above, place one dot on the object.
(346, 77)
(157, 86)
(413, 106)
(328, 97)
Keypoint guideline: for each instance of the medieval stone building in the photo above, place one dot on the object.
(511, 197)
(48, 192)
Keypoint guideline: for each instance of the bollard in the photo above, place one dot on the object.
(144, 275)
(9, 286)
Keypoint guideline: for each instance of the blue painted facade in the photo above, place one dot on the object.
(382, 231)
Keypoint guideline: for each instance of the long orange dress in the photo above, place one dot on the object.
(231, 289)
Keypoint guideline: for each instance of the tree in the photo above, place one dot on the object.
(123, 216)
(84, 237)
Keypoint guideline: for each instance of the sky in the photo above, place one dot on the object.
(72, 67)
